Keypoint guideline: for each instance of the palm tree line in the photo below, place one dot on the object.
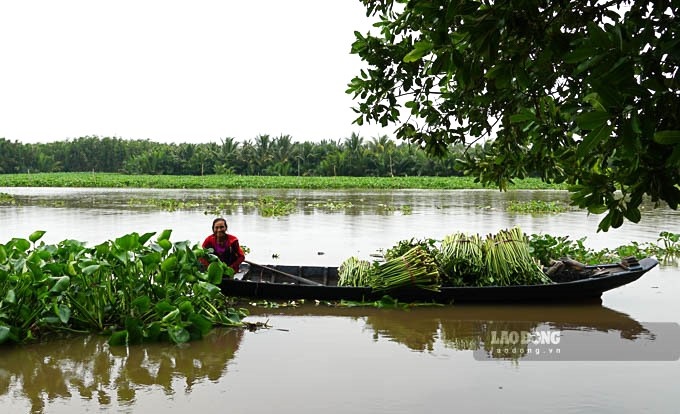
(264, 155)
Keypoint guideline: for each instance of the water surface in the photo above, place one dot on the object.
(315, 358)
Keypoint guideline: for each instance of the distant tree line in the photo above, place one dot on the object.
(265, 155)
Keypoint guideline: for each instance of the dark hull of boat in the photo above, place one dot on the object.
(267, 283)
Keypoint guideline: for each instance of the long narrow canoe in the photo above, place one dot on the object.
(281, 282)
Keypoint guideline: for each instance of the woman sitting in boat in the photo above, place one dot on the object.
(224, 245)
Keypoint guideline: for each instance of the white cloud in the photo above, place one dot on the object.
(178, 71)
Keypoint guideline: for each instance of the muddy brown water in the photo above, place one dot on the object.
(620, 356)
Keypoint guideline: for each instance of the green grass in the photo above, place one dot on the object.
(237, 181)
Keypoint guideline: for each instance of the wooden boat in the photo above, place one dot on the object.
(282, 282)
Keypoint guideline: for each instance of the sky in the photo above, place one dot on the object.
(179, 71)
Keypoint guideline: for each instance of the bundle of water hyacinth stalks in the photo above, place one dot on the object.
(461, 258)
(416, 267)
(354, 272)
(509, 262)
(502, 259)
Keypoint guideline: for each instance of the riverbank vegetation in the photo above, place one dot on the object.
(116, 180)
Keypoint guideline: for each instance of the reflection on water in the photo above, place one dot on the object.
(87, 374)
(471, 327)
(87, 369)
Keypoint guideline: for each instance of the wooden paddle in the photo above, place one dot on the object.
(294, 277)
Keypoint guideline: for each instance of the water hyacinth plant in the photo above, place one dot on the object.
(131, 288)
(545, 247)
(536, 207)
(7, 199)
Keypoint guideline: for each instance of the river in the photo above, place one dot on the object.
(620, 356)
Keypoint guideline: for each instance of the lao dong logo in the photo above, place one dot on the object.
(542, 337)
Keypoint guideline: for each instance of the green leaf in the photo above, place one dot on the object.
(165, 244)
(163, 307)
(153, 331)
(4, 334)
(135, 331)
(591, 120)
(617, 218)
(35, 268)
(171, 316)
(145, 237)
(63, 313)
(10, 297)
(201, 323)
(495, 71)
(61, 284)
(36, 235)
(20, 244)
(580, 54)
(186, 307)
(151, 258)
(119, 338)
(128, 242)
(165, 235)
(120, 254)
(208, 288)
(49, 320)
(632, 214)
(523, 116)
(420, 49)
(54, 268)
(605, 223)
(592, 140)
(169, 264)
(141, 304)
(522, 77)
(88, 270)
(215, 273)
(597, 208)
(593, 61)
(667, 137)
(594, 100)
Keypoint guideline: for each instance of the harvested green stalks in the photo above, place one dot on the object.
(354, 272)
(416, 267)
(461, 258)
(508, 261)
(502, 259)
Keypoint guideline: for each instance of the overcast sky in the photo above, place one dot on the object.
(179, 71)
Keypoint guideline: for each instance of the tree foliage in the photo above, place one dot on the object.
(265, 155)
(585, 92)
